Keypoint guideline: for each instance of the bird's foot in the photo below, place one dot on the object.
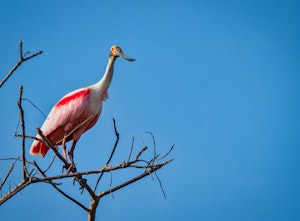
(72, 169)
(69, 168)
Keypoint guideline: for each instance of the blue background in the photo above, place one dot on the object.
(219, 79)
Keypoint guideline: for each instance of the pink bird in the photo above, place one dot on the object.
(77, 111)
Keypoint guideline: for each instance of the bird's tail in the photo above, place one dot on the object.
(38, 147)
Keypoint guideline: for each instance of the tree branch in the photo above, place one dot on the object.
(146, 173)
(24, 170)
(22, 59)
(105, 169)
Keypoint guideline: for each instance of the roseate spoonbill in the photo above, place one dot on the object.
(77, 111)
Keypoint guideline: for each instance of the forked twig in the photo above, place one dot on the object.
(22, 59)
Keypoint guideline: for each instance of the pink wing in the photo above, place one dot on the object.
(65, 111)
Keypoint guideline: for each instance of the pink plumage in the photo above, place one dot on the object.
(77, 111)
(73, 111)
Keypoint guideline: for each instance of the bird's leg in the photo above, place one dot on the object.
(70, 153)
(64, 150)
(63, 145)
(72, 167)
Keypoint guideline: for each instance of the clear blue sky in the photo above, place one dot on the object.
(219, 79)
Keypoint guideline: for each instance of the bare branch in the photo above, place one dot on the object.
(36, 107)
(112, 153)
(50, 165)
(116, 142)
(7, 174)
(154, 144)
(131, 148)
(26, 136)
(165, 155)
(160, 184)
(22, 59)
(24, 170)
(140, 152)
(146, 173)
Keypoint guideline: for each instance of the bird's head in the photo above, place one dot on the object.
(116, 51)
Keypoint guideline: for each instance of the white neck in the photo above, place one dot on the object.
(107, 77)
(103, 85)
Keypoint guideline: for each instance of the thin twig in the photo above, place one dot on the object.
(131, 148)
(160, 184)
(51, 163)
(26, 136)
(36, 107)
(154, 144)
(116, 142)
(7, 174)
(16, 159)
(112, 153)
(110, 182)
(165, 155)
(140, 152)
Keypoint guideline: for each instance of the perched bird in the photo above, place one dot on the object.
(76, 112)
